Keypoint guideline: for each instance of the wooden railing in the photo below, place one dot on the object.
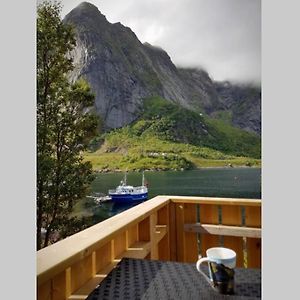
(165, 228)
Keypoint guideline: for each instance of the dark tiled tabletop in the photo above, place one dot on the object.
(152, 279)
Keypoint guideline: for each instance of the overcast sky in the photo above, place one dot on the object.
(221, 36)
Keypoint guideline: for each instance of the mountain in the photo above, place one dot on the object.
(123, 72)
(169, 137)
(244, 104)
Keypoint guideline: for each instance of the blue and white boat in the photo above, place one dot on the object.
(128, 193)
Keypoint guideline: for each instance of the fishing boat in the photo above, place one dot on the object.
(128, 193)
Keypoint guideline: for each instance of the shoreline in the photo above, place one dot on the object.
(108, 171)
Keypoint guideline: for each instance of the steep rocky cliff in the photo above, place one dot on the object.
(122, 72)
(244, 104)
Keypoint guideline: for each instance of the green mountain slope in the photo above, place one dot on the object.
(167, 136)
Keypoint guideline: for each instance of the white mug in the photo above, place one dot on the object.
(221, 262)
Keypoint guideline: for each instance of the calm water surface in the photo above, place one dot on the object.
(214, 182)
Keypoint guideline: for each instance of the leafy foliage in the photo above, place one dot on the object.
(64, 126)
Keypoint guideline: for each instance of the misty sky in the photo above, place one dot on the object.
(221, 36)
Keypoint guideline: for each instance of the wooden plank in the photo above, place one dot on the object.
(105, 271)
(59, 286)
(81, 272)
(236, 244)
(154, 246)
(144, 230)
(163, 248)
(163, 215)
(44, 291)
(120, 243)
(190, 238)
(137, 250)
(112, 250)
(215, 201)
(208, 214)
(253, 253)
(172, 232)
(103, 256)
(180, 232)
(132, 234)
(68, 282)
(253, 216)
(208, 241)
(223, 230)
(160, 232)
(232, 215)
(164, 243)
(86, 289)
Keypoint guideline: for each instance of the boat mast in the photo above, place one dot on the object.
(125, 178)
(143, 179)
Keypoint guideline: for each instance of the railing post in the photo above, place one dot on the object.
(180, 232)
(190, 238)
(163, 218)
(68, 282)
(172, 231)
(154, 246)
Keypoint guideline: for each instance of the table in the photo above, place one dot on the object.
(159, 280)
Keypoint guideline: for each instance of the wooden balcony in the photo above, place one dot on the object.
(166, 228)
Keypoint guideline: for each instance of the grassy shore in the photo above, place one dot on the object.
(116, 162)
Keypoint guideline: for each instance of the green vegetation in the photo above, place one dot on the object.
(64, 128)
(169, 137)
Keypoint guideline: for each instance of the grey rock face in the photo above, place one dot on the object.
(244, 102)
(122, 71)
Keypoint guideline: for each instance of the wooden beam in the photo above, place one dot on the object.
(215, 201)
(223, 230)
(137, 250)
(160, 232)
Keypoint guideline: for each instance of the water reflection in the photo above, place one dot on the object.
(227, 182)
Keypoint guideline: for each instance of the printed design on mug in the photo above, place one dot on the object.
(223, 277)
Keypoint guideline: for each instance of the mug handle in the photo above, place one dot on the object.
(199, 262)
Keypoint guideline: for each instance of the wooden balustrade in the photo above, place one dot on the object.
(165, 228)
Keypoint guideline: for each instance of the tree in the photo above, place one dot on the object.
(65, 125)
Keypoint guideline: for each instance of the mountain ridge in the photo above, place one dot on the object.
(122, 72)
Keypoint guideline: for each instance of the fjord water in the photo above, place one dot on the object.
(211, 182)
